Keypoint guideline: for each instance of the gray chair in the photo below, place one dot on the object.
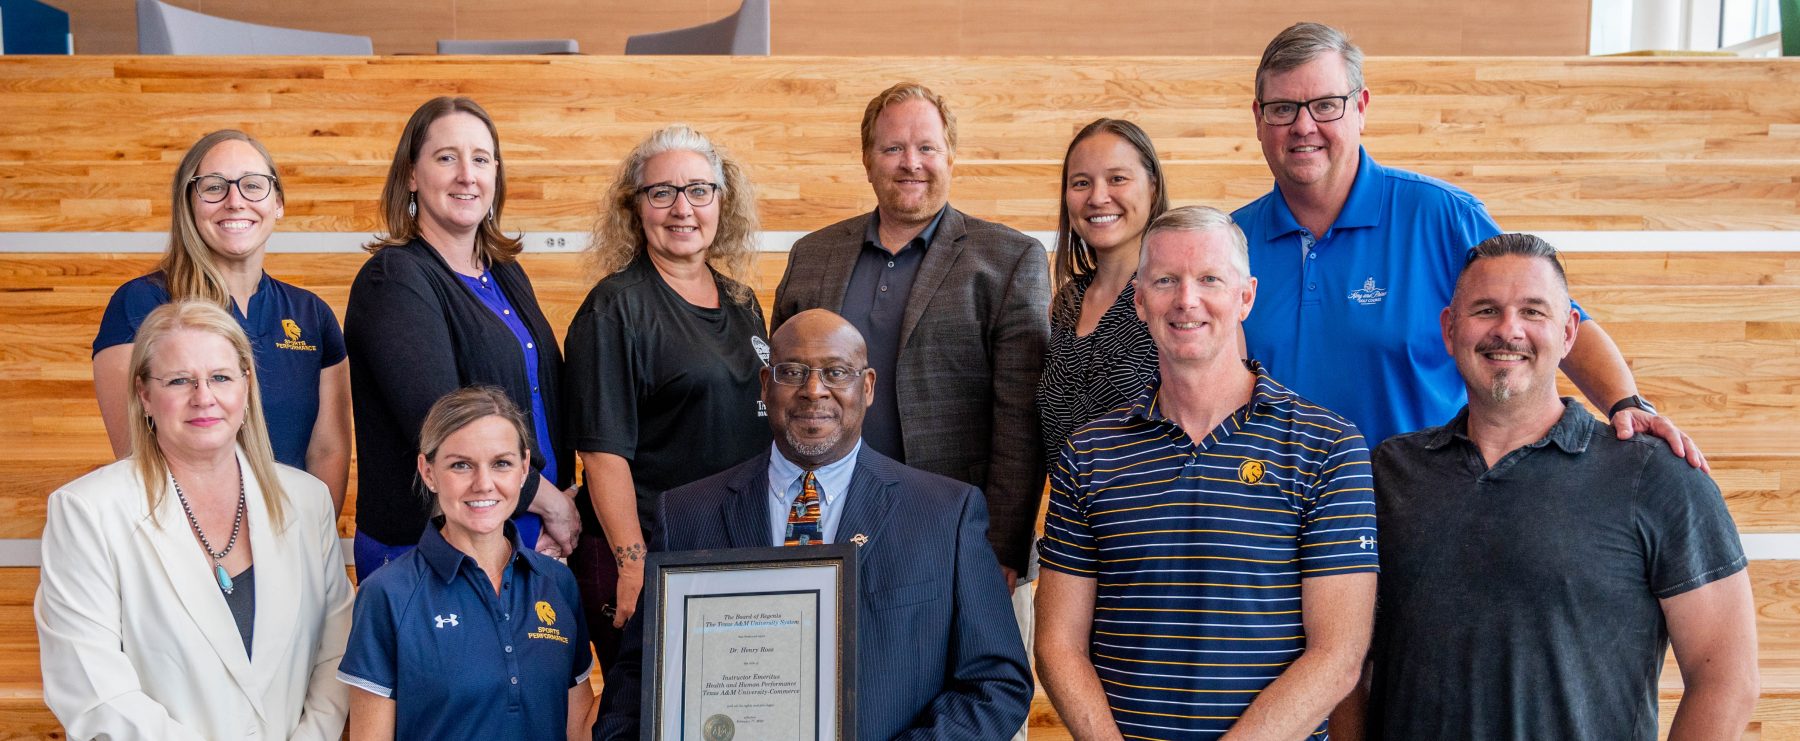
(509, 46)
(166, 29)
(745, 32)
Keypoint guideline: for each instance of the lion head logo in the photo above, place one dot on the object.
(292, 330)
(546, 613)
(1250, 472)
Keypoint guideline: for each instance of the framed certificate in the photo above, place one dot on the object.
(750, 643)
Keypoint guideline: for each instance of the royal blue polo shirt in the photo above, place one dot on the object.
(458, 660)
(293, 335)
(1349, 319)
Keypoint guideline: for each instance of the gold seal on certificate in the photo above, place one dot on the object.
(719, 728)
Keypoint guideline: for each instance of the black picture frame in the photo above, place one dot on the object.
(752, 573)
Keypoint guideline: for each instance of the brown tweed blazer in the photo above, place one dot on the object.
(974, 334)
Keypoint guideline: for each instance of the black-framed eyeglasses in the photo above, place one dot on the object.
(214, 188)
(1323, 110)
(833, 376)
(663, 195)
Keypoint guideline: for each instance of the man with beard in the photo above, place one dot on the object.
(955, 311)
(938, 651)
(1536, 568)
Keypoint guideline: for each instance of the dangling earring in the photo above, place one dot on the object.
(412, 205)
(490, 214)
(149, 420)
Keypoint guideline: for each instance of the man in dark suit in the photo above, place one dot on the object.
(938, 652)
(955, 311)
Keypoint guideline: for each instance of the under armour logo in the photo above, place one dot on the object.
(443, 621)
(1367, 541)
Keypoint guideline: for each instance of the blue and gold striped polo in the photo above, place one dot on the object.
(1198, 548)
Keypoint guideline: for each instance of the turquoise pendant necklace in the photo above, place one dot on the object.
(223, 578)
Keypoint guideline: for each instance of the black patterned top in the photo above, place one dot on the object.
(1087, 376)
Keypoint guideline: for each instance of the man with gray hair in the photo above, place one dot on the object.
(1209, 552)
(1536, 568)
(1356, 259)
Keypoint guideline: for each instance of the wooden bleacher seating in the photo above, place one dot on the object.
(88, 144)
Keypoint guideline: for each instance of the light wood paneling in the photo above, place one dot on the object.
(1728, 378)
(921, 27)
(1549, 144)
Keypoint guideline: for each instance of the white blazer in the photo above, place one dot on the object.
(135, 637)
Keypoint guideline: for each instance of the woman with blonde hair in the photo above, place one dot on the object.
(226, 199)
(442, 303)
(196, 588)
(531, 683)
(665, 355)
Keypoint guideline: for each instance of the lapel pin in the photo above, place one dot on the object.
(859, 539)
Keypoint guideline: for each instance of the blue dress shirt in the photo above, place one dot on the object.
(833, 480)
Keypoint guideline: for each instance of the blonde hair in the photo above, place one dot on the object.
(618, 234)
(187, 264)
(253, 436)
(401, 227)
(900, 93)
(1200, 219)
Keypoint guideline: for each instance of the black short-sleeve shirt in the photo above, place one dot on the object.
(1522, 601)
(672, 387)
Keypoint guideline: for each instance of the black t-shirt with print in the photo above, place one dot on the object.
(671, 387)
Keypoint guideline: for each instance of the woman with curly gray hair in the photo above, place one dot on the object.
(662, 380)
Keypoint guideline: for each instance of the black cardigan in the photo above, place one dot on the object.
(415, 332)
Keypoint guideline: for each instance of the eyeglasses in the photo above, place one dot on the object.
(214, 188)
(663, 195)
(1323, 110)
(218, 382)
(835, 376)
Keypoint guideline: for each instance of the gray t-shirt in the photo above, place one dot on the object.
(1521, 602)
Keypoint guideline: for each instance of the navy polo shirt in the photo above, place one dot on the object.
(293, 335)
(1349, 318)
(460, 661)
(875, 303)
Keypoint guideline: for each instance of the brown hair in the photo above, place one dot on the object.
(401, 227)
(253, 436)
(617, 237)
(1074, 257)
(187, 264)
(900, 93)
(1304, 42)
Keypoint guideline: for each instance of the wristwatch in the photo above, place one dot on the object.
(1630, 402)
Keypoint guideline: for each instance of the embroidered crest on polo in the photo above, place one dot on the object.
(443, 622)
(1370, 294)
(761, 347)
(291, 329)
(1250, 472)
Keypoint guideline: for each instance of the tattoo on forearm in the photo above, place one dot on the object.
(633, 552)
